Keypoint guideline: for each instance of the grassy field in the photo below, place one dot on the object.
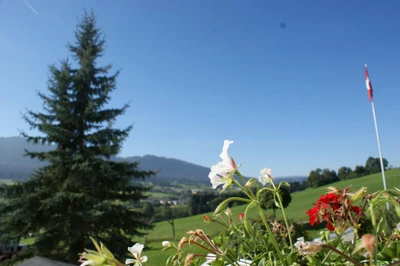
(158, 195)
(301, 202)
(6, 181)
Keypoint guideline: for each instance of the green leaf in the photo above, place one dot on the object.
(96, 244)
(397, 208)
(107, 253)
(98, 259)
(291, 258)
(247, 224)
(381, 225)
(284, 183)
(217, 262)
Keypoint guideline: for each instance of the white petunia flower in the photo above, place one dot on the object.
(265, 176)
(210, 258)
(136, 250)
(308, 248)
(222, 169)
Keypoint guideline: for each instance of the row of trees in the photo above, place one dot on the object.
(207, 202)
(320, 177)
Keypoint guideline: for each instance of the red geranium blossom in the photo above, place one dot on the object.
(335, 209)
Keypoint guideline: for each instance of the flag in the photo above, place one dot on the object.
(368, 83)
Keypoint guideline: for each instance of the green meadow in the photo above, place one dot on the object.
(296, 211)
(301, 202)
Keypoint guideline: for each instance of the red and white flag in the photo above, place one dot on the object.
(368, 83)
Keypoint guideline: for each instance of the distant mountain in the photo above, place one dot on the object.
(170, 168)
(13, 165)
(290, 179)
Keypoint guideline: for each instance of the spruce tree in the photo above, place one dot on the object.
(81, 191)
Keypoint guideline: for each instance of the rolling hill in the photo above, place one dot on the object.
(13, 165)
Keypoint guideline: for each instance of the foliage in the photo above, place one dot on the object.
(248, 242)
(267, 199)
(206, 202)
(297, 186)
(320, 177)
(373, 165)
(79, 192)
(344, 173)
(148, 209)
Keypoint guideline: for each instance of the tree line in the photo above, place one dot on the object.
(320, 177)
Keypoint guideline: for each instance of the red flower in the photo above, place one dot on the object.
(313, 214)
(357, 210)
(241, 216)
(335, 210)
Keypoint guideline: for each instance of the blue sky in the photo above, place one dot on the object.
(197, 72)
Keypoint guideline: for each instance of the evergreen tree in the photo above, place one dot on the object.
(80, 192)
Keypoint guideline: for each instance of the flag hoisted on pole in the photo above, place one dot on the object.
(370, 96)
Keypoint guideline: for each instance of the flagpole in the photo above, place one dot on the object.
(379, 146)
(377, 138)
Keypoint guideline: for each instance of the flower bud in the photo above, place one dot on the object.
(166, 244)
(333, 190)
(189, 259)
(358, 195)
(251, 182)
(368, 242)
(207, 218)
(182, 243)
(228, 212)
(221, 207)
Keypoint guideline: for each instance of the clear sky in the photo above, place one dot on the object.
(283, 79)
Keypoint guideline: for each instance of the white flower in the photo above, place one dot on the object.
(136, 250)
(210, 258)
(166, 244)
(224, 168)
(299, 243)
(308, 248)
(265, 176)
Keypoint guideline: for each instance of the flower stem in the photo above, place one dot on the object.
(204, 247)
(373, 219)
(240, 176)
(244, 190)
(355, 233)
(270, 234)
(284, 218)
(333, 249)
(218, 222)
(244, 182)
